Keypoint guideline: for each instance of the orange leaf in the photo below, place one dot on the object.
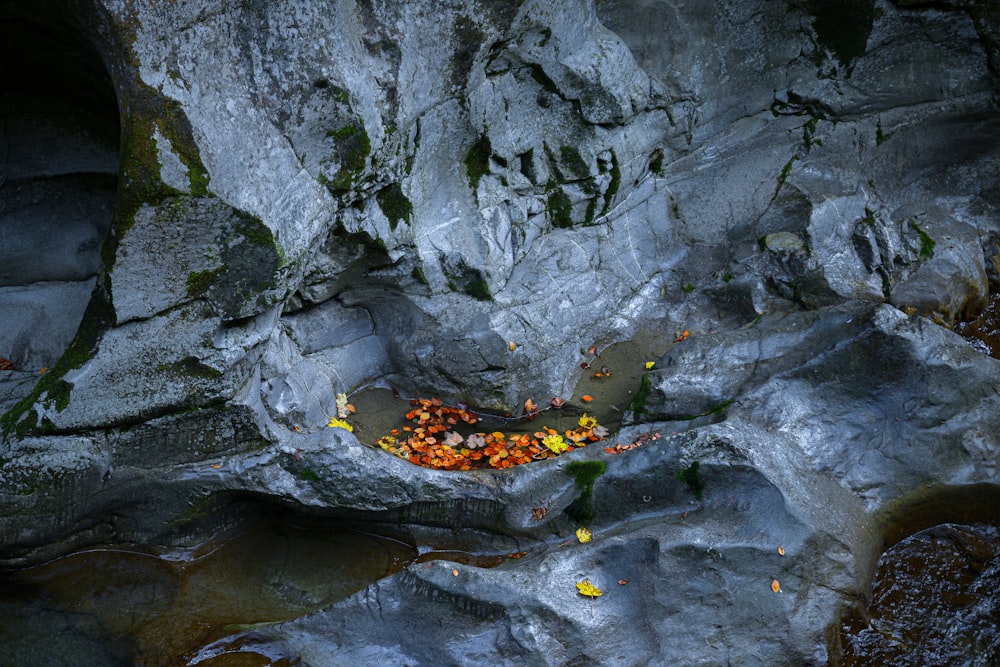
(775, 586)
(557, 402)
(781, 551)
(683, 336)
(586, 399)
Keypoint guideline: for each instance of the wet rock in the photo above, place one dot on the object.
(313, 198)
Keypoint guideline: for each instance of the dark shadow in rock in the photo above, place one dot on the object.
(58, 179)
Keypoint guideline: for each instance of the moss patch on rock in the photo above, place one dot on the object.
(477, 160)
(394, 204)
(22, 419)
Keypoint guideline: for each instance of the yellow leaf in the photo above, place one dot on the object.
(649, 365)
(512, 346)
(340, 423)
(555, 443)
(586, 587)
(583, 534)
(781, 551)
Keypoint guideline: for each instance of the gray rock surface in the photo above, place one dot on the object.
(315, 197)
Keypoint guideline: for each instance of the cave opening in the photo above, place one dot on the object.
(59, 162)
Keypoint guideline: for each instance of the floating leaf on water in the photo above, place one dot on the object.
(650, 365)
(586, 398)
(583, 534)
(587, 587)
(557, 402)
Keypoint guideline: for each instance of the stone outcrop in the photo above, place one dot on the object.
(311, 197)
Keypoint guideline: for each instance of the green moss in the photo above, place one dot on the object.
(926, 242)
(786, 170)
(692, 477)
(199, 282)
(351, 151)
(478, 289)
(477, 160)
(808, 133)
(22, 418)
(309, 475)
(637, 406)
(880, 136)
(559, 207)
(586, 473)
(418, 275)
(687, 288)
(571, 159)
(394, 204)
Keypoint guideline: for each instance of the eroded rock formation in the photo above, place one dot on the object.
(315, 196)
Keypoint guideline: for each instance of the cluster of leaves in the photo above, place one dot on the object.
(6, 364)
(635, 444)
(434, 441)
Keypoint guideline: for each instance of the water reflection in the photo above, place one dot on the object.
(935, 601)
(112, 606)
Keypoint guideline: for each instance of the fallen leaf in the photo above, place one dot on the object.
(454, 572)
(586, 398)
(781, 551)
(512, 345)
(775, 586)
(650, 365)
(683, 336)
(216, 465)
(587, 587)
(593, 350)
(557, 402)
(622, 582)
(297, 429)
(43, 370)
(339, 423)
(583, 534)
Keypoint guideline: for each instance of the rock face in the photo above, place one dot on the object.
(308, 197)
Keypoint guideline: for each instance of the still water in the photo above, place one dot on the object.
(129, 606)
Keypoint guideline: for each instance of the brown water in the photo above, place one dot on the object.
(935, 601)
(984, 331)
(123, 605)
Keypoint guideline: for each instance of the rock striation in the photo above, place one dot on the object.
(218, 216)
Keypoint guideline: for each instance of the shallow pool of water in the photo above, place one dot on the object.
(129, 606)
